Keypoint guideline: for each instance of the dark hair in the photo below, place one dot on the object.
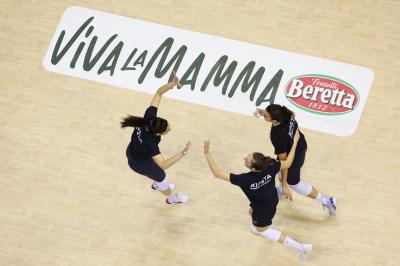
(261, 162)
(280, 114)
(156, 126)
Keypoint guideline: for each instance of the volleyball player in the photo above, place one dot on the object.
(282, 132)
(143, 153)
(259, 187)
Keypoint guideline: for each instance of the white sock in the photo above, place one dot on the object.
(293, 244)
(321, 198)
(271, 233)
(171, 198)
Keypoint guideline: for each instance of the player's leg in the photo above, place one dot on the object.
(262, 221)
(310, 191)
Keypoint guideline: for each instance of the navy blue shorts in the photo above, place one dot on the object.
(262, 215)
(147, 168)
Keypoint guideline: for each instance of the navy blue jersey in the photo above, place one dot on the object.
(283, 142)
(259, 187)
(144, 144)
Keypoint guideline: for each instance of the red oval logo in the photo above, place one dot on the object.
(322, 94)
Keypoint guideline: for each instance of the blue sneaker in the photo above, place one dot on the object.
(330, 205)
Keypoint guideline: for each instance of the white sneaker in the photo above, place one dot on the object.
(154, 186)
(179, 198)
(254, 231)
(305, 253)
(331, 205)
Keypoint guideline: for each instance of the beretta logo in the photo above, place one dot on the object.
(322, 94)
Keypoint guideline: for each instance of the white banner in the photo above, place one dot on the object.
(326, 96)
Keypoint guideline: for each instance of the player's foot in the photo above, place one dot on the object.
(254, 231)
(330, 205)
(305, 252)
(178, 199)
(154, 186)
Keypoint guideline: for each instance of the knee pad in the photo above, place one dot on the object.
(302, 188)
(279, 190)
(163, 185)
(271, 233)
(279, 176)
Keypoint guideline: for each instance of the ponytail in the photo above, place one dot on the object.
(287, 114)
(133, 121)
(261, 162)
(157, 125)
